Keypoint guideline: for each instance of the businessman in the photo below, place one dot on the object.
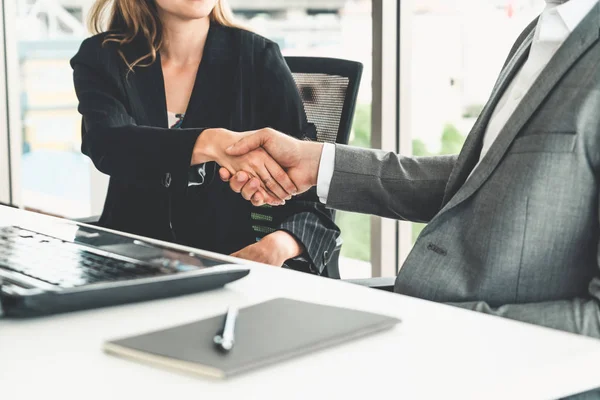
(513, 220)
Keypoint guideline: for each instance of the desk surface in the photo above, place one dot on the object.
(436, 352)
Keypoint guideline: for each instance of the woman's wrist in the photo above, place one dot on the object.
(284, 244)
(206, 147)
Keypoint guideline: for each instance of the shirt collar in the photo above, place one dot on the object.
(573, 12)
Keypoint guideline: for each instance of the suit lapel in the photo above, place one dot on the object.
(213, 81)
(581, 39)
(146, 88)
(469, 154)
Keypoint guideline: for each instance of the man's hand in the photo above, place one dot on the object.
(273, 249)
(274, 185)
(300, 159)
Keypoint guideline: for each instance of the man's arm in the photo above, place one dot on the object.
(363, 180)
(577, 315)
(386, 184)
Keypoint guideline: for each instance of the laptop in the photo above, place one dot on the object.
(53, 266)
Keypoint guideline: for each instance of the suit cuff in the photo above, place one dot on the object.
(326, 167)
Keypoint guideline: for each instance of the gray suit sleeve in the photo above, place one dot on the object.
(577, 315)
(386, 184)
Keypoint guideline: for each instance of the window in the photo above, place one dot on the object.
(453, 67)
(54, 175)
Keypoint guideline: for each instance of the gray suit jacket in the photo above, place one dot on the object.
(519, 238)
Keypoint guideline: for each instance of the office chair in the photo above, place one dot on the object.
(328, 88)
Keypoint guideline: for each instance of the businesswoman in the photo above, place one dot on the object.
(161, 92)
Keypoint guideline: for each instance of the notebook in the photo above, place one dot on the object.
(265, 333)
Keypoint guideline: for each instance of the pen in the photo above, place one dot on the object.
(226, 338)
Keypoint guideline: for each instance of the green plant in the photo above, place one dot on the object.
(472, 111)
(452, 140)
(361, 136)
(356, 228)
(416, 230)
(356, 232)
(419, 148)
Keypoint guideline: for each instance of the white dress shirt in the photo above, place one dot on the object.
(557, 21)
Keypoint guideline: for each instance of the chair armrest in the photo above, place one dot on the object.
(332, 270)
(385, 283)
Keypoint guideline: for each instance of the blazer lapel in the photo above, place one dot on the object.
(469, 154)
(581, 39)
(146, 88)
(213, 81)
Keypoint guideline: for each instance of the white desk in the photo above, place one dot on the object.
(437, 352)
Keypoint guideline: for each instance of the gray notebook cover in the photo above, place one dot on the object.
(265, 333)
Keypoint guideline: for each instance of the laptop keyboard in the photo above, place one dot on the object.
(64, 264)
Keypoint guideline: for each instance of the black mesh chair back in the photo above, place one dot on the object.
(329, 88)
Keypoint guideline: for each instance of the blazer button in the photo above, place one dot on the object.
(166, 181)
(325, 257)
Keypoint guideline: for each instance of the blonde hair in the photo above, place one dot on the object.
(129, 19)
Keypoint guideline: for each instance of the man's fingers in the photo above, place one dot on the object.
(271, 184)
(281, 177)
(253, 188)
(257, 195)
(246, 144)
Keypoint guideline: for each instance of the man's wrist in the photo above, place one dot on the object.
(312, 151)
(326, 169)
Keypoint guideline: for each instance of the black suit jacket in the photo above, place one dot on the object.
(243, 83)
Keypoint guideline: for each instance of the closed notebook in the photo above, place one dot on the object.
(265, 333)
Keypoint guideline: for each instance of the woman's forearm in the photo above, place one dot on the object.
(206, 147)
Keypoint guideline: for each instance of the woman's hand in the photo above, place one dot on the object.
(300, 159)
(275, 185)
(274, 249)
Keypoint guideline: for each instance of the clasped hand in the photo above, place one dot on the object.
(298, 159)
(266, 166)
(264, 177)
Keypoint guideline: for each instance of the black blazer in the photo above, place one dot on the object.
(243, 83)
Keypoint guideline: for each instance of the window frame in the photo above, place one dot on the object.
(10, 129)
(5, 154)
(390, 126)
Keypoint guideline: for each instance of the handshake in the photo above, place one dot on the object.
(265, 166)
